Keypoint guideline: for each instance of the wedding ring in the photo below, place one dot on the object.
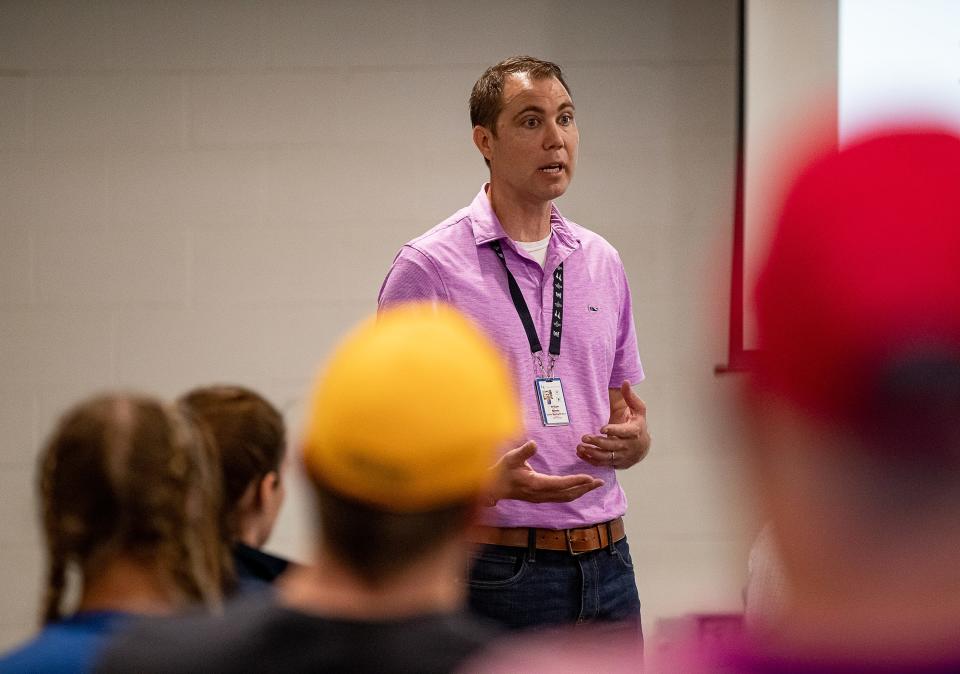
(611, 457)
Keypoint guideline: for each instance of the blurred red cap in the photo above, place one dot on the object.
(864, 267)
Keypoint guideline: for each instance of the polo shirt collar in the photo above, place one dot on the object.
(487, 227)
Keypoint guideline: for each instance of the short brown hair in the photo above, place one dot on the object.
(377, 545)
(124, 474)
(250, 436)
(486, 99)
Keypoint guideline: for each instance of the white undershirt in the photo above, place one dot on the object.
(536, 249)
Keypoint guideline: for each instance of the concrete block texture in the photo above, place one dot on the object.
(55, 34)
(16, 99)
(19, 422)
(16, 264)
(21, 591)
(113, 110)
(139, 265)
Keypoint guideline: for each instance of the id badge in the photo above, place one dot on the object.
(553, 406)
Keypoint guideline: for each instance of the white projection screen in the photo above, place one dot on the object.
(898, 60)
(834, 68)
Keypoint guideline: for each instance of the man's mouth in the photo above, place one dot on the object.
(552, 168)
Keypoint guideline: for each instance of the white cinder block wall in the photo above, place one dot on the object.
(194, 192)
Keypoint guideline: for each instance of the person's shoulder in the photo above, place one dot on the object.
(462, 628)
(257, 567)
(42, 655)
(255, 637)
(70, 645)
(175, 644)
(39, 654)
(590, 241)
(427, 644)
(456, 229)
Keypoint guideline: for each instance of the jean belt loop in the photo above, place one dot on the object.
(610, 537)
(531, 545)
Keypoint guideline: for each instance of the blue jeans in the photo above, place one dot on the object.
(521, 588)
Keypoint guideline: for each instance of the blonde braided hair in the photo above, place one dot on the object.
(124, 474)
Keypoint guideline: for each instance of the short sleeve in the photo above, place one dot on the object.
(626, 363)
(412, 277)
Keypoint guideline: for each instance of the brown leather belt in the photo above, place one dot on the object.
(574, 541)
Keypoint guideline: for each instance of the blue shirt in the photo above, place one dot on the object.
(70, 645)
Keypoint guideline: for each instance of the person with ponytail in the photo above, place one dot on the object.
(129, 501)
(250, 436)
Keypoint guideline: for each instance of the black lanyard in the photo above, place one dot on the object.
(556, 327)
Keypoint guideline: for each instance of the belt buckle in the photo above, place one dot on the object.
(566, 534)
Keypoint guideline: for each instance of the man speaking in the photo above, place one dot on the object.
(554, 297)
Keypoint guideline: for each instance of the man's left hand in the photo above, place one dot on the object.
(625, 440)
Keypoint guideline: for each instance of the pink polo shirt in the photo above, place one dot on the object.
(453, 263)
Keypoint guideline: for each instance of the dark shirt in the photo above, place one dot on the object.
(256, 569)
(258, 635)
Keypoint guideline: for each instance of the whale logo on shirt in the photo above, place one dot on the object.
(593, 308)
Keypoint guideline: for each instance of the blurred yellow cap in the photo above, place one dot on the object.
(410, 411)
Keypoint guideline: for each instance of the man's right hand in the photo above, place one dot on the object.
(517, 480)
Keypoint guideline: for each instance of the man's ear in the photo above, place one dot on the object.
(482, 137)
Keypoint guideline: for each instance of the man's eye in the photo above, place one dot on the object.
(531, 122)
(566, 119)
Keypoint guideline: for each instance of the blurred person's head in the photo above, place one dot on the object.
(855, 399)
(404, 427)
(129, 498)
(250, 437)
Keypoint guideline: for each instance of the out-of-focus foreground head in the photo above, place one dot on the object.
(855, 399)
(863, 277)
(127, 476)
(410, 411)
(250, 436)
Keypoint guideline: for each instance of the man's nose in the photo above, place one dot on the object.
(553, 136)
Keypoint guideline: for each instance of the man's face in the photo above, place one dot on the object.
(534, 151)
